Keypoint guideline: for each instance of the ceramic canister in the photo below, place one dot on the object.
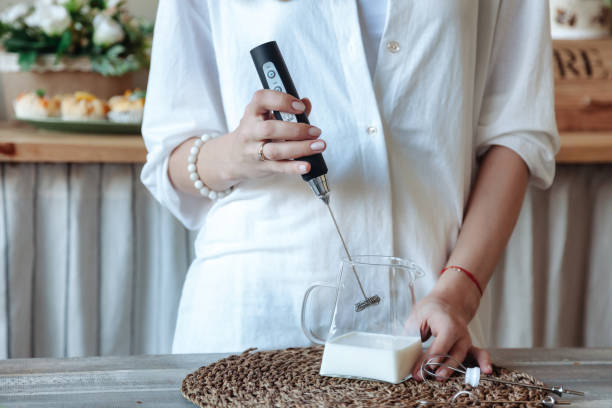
(580, 19)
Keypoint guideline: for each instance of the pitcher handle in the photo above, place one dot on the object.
(305, 328)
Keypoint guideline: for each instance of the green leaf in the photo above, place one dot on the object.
(63, 45)
(40, 45)
(138, 94)
(101, 4)
(72, 6)
(115, 66)
(27, 59)
(41, 92)
(115, 51)
(4, 29)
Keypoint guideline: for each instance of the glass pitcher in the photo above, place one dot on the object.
(376, 342)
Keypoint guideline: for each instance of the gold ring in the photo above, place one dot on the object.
(260, 153)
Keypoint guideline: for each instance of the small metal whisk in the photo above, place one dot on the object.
(473, 377)
(548, 402)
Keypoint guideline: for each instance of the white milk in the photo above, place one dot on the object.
(369, 355)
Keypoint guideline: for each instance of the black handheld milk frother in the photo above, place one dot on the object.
(274, 74)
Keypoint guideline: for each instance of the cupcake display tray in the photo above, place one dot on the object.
(91, 126)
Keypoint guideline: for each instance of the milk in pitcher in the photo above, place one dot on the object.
(370, 355)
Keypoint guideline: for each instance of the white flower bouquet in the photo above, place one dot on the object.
(115, 42)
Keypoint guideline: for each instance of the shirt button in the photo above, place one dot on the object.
(372, 130)
(393, 46)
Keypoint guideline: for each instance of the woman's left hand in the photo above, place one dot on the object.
(445, 314)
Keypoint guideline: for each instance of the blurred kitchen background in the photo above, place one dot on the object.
(90, 264)
(141, 8)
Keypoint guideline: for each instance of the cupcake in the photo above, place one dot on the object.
(127, 108)
(36, 105)
(83, 106)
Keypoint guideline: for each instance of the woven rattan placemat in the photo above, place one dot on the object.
(290, 378)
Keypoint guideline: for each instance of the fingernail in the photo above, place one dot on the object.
(489, 368)
(302, 168)
(298, 106)
(425, 332)
(314, 131)
(317, 146)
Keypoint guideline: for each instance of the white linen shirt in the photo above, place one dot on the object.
(372, 17)
(452, 78)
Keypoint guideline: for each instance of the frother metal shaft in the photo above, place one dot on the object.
(543, 403)
(367, 301)
(348, 254)
(556, 390)
(320, 188)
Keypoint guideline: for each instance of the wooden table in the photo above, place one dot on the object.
(154, 381)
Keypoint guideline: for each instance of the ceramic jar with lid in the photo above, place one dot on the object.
(580, 19)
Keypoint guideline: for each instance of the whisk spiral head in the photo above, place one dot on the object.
(432, 364)
(372, 300)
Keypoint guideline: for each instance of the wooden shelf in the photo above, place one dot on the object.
(583, 84)
(20, 143)
(585, 148)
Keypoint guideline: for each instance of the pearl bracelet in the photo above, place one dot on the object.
(192, 168)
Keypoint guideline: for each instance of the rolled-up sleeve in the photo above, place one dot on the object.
(183, 100)
(517, 108)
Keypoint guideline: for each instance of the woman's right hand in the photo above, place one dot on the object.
(231, 158)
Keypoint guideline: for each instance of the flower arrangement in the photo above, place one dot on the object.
(115, 42)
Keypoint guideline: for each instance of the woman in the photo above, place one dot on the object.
(432, 115)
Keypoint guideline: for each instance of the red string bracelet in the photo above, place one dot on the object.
(467, 273)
